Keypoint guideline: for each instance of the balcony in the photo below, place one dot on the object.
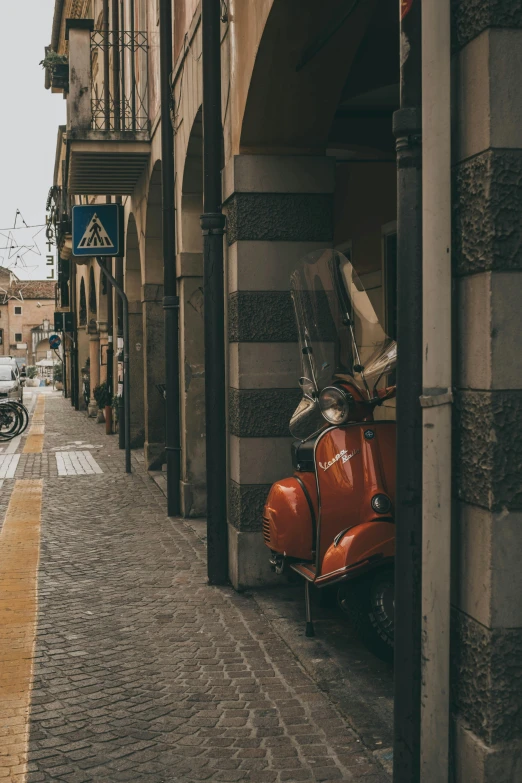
(108, 129)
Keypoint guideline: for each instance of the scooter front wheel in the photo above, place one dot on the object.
(370, 604)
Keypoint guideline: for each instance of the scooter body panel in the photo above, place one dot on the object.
(360, 548)
(288, 525)
(353, 463)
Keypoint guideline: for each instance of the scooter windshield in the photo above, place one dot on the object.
(340, 336)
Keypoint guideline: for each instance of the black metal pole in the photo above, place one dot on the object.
(75, 380)
(110, 325)
(110, 332)
(171, 299)
(407, 130)
(126, 376)
(64, 368)
(213, 225)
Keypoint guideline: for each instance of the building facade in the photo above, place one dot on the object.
(26, 317)
(308, 95)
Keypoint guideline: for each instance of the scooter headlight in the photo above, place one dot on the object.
(381, 504)
(335, 404)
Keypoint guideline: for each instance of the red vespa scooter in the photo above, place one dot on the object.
(333, 522)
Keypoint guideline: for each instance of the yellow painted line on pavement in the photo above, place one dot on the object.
(19, 556)
(35, 437)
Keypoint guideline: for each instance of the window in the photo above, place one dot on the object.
(18, 337)
(18, 311)
(1, 336)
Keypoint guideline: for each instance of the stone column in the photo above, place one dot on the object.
(192, 385)
(137, 428)
(79, 109)
(154, 369)
(487, 650)
(278, 209)
(94, 369)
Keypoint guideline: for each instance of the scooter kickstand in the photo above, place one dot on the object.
(308, 610)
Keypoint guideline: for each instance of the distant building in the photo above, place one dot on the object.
(26, 316)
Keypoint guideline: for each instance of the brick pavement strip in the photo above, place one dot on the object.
(19, 549)
(142, 671)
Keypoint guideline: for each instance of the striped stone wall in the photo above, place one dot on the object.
(278, 209)
(487, 651)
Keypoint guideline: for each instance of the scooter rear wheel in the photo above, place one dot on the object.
(370, 604)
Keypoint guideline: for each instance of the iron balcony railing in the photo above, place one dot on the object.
(119, 68)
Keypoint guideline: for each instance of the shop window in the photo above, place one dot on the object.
(18, 311)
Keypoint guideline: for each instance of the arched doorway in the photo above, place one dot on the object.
(316, 169)
(132, 287)
(153, 325)
(192, 347)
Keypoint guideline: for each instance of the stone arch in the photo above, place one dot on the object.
(303, 60)
(132, 287)
(42, 349)
(192, 346)
(192, 190)
(153, 261)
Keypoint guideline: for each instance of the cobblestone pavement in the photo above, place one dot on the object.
(142, 671)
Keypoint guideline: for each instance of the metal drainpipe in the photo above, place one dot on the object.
(213, 226)
(170, 297)
(437, 392)
(407, 131)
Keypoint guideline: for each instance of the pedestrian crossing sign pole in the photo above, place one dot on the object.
(97, 230)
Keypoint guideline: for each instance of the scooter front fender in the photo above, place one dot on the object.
(358, 549)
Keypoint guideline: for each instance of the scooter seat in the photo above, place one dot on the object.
(303, 455)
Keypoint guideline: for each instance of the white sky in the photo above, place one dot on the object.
(30, 116)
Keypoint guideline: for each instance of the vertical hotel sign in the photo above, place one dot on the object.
(405, 7)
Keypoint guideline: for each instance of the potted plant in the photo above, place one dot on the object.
(58, 376)
(103, 401)
(32, 376)
(58, 67)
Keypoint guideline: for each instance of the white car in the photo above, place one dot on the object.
(10, 383)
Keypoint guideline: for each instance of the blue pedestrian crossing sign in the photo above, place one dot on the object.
(97, 230)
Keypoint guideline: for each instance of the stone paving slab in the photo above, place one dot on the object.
(142, 671)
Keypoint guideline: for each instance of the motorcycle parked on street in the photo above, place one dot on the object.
(333, 521)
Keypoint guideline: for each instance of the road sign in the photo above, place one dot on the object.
(97, 230)
(63, 322)
(54, 341)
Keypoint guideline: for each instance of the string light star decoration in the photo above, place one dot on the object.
(19, 242)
